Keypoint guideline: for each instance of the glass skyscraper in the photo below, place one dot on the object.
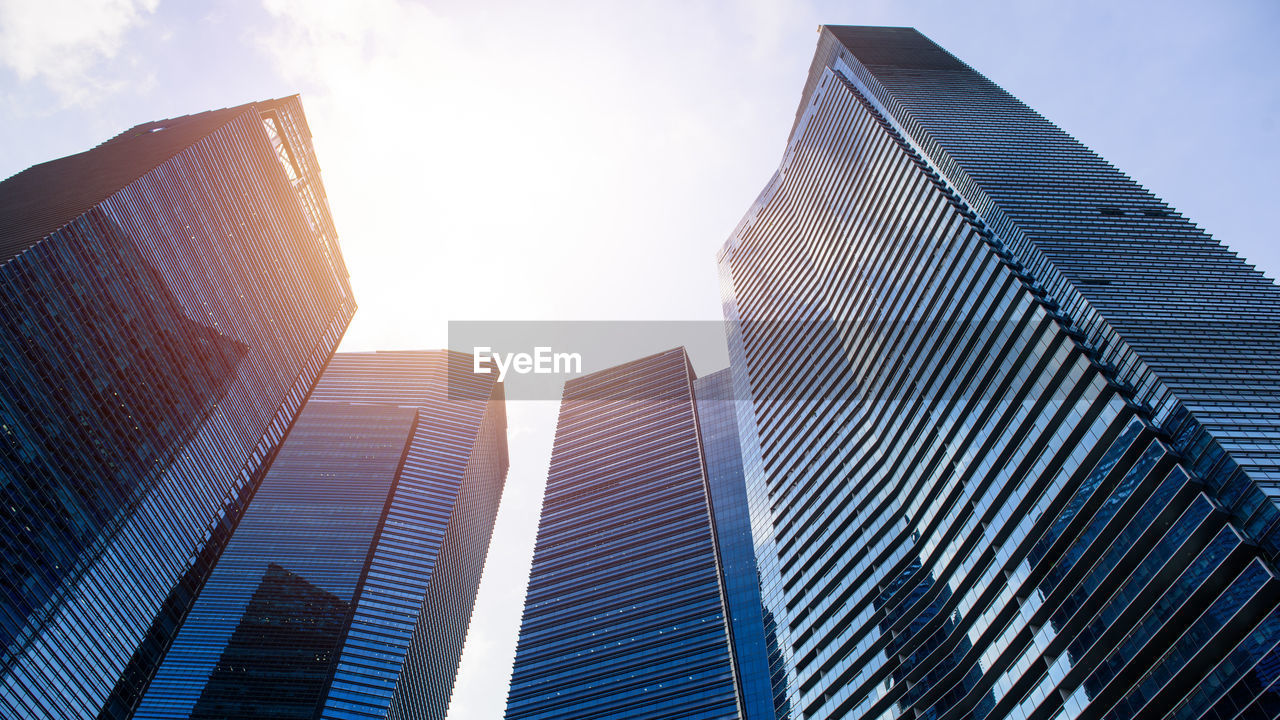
(347, 589)
(750, 629)
(643, 528)
(1011, 425)
(168, 300)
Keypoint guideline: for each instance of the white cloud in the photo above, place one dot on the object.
(61, 43)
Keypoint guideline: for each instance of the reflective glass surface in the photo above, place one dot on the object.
(718, 428)
(352, 577)
(995, 459)
(626, 615)
(263, 635)
(171, 298)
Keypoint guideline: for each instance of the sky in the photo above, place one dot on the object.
(585, 160)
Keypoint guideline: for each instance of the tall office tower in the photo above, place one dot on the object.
(1014, 425)
(643, 555)
(167, 300)
(347, 590)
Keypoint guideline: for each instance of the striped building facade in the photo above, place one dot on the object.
(348, 588)
(169, 299)
(1013, 424)
(643, 600)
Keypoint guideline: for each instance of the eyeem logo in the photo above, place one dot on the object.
(540, 362)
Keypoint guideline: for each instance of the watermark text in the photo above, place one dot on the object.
(542, 361)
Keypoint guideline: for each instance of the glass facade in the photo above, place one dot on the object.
(643, 553)
(351, 580)
(268, 625)
(169, 298)
(1012, 423)
(727, 491)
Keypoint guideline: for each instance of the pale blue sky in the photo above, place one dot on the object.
(584, 160)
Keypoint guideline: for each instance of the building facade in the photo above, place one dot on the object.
(1013, 424)
(169, 299)
(347, 590)
(633, 609)
(750, 629)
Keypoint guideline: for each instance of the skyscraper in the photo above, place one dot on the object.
(347, 590)
(643, 600)
(751, 631)
(1014, 424)
(169, 298)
